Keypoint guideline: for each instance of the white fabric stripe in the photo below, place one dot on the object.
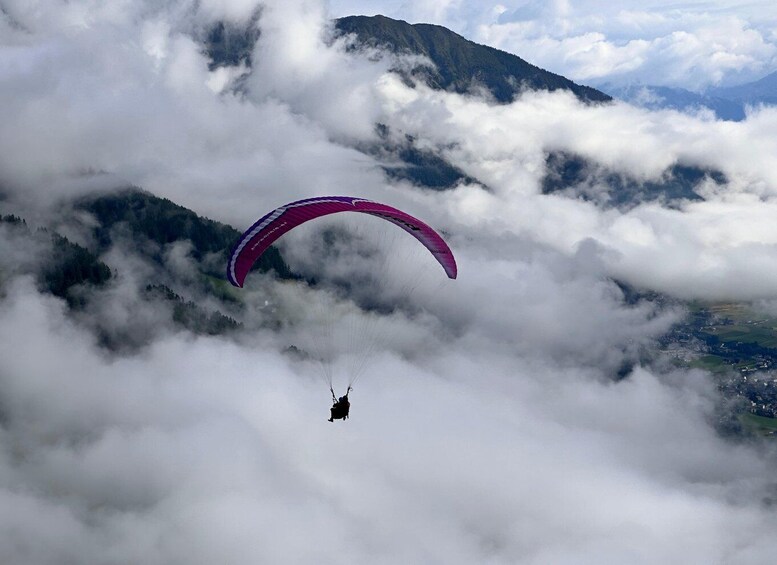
(271, 218)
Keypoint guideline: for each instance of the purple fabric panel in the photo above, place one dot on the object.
(265, 231)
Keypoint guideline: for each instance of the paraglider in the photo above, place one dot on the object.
(265, 231)
(341, 406)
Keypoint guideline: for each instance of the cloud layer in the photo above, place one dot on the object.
(489, 427)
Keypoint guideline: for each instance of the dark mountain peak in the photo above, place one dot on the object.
(459, 63)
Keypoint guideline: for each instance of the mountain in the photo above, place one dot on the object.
(576, 177)
(147, 228)
(665, 97)
(763, 91)
(459, 64)
(66, 267)
(462, 66)
(728, 103)
(229, 45)
(146, 218)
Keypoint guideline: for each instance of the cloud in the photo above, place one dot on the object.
(201, 448)
(685, 50)
(729, 237)
(161, 126)
(489, 425)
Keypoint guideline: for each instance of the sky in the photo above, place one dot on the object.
(691, 45)
(489, 426)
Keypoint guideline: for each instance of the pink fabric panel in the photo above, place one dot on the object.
(269, 228)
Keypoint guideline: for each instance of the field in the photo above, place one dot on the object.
(740, 323)
(711, 363)
(759, 424)
(753, 332)
(737, 344)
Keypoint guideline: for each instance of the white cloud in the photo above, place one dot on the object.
(689, 50)
(489, 428)
(730, 237)
(199, 449)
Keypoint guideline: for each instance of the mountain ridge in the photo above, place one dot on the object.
(460, 63)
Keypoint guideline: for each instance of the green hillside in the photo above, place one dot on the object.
(146, 217)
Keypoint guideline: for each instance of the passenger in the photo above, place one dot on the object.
(340, 408)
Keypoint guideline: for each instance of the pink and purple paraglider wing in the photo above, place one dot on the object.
(269, 228)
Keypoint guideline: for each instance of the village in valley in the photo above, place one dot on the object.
(737, 344)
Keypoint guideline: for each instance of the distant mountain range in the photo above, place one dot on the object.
(729, 103)
(763, 91)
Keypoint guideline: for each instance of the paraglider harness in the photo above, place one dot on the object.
(341, 406)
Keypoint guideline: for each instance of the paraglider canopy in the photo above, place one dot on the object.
(265, 231)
